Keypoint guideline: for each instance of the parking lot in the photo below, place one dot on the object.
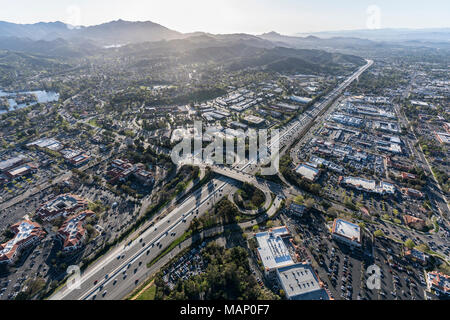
(399, 280)
(345, 271)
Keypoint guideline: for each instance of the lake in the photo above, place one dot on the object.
(42, 97)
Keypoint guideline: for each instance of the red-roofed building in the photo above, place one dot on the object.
(62, 205)
(416, 256)
(409, 176)
(79, 160)
(21, 170)
(438, 282)
(412, 193)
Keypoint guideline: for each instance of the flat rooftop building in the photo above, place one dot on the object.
(368, 185)
(302, 100)
(238, 125)
(346, 120)
(297, 209)
(444, 138)
(272, 250)
(70, 153)
(286, 106)
(10, 163)
(300, 282)
(254, 120)
(387, 126)
(48, 143)
(72, 233)
(416, 256)
(346, 232)
(21, 170)
(79, 160)
(307, 172)
(438, 282)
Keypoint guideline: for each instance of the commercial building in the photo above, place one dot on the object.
(79, 160)
(286, 107)
(346, 120)
(300, 282)
(121, 164)
(414, 222)
(443, 138)
(346, 232)
(328, 164)
(214, 115)
(416, 256)
(368, 185)
(254, 120)
(21, 170)
(302, 100)
(7, 164)
(69, 153)
(272, 249)
(47, 143)
(72, 233)
(63, 205)
(390, 147)
(121, 170)
(439, 283)
(297, 209)
(237, 125)
(386, 126)
(307, 172)
(74, 157)
(412, 193)
(27, 233)
(144, 176)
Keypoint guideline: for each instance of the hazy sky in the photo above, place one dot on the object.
(230, 16)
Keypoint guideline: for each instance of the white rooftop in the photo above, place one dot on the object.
(272, 250)
(307, 171)
(24, 231)
(348, 230)
(299, 282)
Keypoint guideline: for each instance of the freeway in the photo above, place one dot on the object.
(120, 268)
(119, 271)
(299, 126)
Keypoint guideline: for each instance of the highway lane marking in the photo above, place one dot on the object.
(140, 253)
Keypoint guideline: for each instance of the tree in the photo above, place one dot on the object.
(423, 247)
(309, 203)
(332, 211)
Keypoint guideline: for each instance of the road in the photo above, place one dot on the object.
(434, 191)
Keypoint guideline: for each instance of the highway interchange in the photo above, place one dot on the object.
(123, 268)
